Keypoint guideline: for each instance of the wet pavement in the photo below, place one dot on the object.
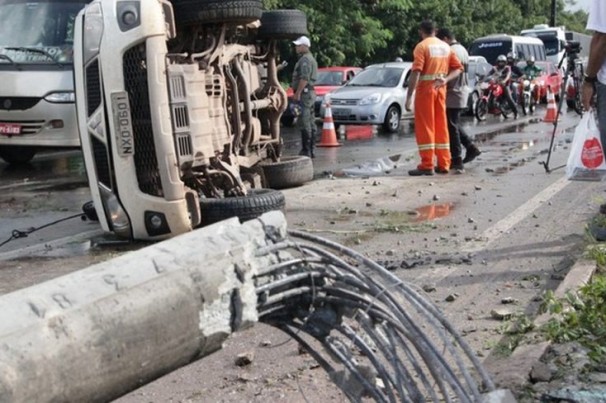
(54, 185)
(382, 152)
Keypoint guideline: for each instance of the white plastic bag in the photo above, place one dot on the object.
(586, 161)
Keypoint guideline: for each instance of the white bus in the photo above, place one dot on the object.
(554, 39)
(37, 103)
(501, 44)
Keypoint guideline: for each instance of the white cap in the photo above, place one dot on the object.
(302, 40)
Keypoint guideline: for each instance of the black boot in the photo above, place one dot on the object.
(457, 165)
(471, 153)
(305, 140)
(312, 145)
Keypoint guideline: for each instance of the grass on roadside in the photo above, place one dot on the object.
(581, 315)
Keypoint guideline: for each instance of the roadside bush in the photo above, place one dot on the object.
(581, 316)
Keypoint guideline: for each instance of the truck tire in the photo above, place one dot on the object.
(17, 154)
(283, 24)
(189, 12)
(288, 172)
(253, 205)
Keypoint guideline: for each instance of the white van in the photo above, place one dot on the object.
(501, 44)
(37, 103)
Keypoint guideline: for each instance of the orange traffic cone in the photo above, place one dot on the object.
(329, 134)
(552, 110)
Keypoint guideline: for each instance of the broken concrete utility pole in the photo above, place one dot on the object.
(96, 334)
(99, 333)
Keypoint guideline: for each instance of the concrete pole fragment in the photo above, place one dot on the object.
(98, 333)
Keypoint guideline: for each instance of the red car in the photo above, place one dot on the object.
(329, 78)
(550, 76)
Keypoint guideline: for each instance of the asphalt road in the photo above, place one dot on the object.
(514, 218)
(54, 187)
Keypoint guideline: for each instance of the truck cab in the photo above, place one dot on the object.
(179, 109)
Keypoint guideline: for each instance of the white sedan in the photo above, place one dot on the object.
(376, 95)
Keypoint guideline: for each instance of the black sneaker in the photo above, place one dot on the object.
(603, 208)
(471, 154)
(457, 168)
(442, 171)
(421, 172)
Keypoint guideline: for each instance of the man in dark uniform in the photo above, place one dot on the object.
(304, 77)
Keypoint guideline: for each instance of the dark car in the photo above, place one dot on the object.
(329, 78)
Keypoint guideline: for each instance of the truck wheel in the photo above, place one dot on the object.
(288, 172)
(17, 154)
(283, 24)
(189, 12)
(257, 202)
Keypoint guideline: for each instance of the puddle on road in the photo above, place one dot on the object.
(104, 245)
(432, 212)
(62, 187)
(391, 219)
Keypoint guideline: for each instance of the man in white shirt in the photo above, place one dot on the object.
(595, 73)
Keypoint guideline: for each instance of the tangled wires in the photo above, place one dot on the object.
(374, 334)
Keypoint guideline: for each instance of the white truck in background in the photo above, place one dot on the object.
(554, 39)
(37, 102)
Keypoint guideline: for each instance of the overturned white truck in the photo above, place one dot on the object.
(179, 108)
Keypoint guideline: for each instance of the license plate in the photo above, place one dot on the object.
(341, 112)
(10, 128)
(123, 124)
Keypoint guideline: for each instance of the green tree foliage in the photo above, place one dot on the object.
(359, 32)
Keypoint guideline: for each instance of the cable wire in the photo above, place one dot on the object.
(16, 234)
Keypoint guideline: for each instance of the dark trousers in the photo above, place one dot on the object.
(509, 99)
(458, 135)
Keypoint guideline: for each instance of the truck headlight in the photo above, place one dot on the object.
(92, 31)
(65, 97)
(371, 99)
(120, 223)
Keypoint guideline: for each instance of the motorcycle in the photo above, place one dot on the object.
(529, 95)
(492, 100)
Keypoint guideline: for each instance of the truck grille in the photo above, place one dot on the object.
(93, 87)
(18, 103)
(134, 65)
(180, 115)
(180, 118)
(184, 144)
(101, 162)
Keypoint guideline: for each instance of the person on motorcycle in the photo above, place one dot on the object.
(516, 75)
(531, 70)
(503, 73)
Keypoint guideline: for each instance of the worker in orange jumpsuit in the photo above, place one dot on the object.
(434, 65)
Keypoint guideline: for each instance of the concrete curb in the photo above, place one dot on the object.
(525, 357)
